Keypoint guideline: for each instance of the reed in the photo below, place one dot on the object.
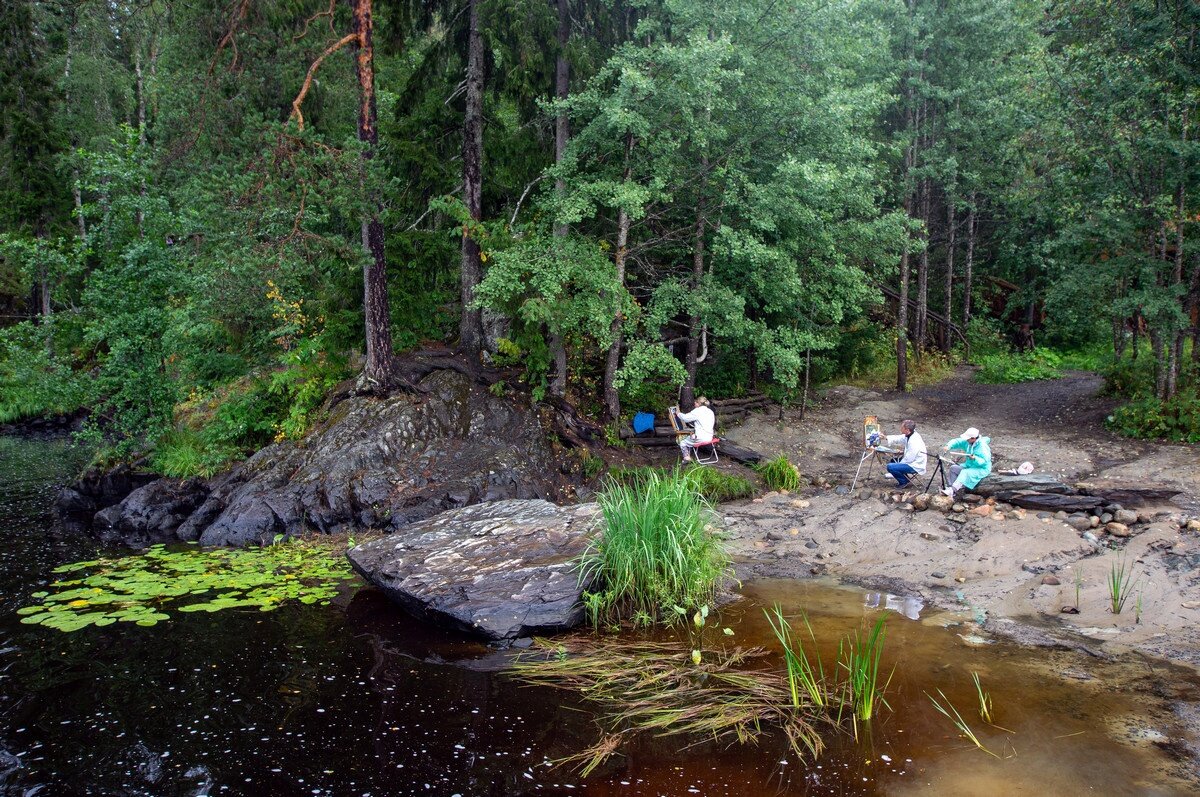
(859, 654)
(1120, 584)
(658, 549)
(951, 713)
(800, 671)
(653, 687)
(985, 700)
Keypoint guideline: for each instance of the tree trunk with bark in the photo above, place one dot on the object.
(471, 318)
(687, 396)
(380, 366)
(562, 75)
(612, 401)
(946, 339)
(969, 265)
(923, 276)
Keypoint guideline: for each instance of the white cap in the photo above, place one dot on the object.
(972, 432)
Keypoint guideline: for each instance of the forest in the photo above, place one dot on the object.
(212, 213)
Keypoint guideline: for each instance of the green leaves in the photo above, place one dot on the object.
(138, 589)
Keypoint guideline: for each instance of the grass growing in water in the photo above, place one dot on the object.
(1120, 578)
(951, 713)
(800, 671)
(653, 687)
(859, 655)
(779, 473)
(985, 700)
(658, 550)
(141, 588)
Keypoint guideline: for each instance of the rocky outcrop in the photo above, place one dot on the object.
(378, 463)
(499, 570)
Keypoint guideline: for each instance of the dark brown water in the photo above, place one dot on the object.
(356, 699)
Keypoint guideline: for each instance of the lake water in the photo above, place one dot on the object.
(354, 698)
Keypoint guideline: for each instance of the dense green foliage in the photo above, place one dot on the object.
(714, 197)
(141, 588)
(712, 485)
(779, 473)
(658, 550)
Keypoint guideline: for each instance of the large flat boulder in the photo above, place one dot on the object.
(499, 570)
(996, 483)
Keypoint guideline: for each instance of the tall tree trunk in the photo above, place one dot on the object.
(969, 265)
(946, 338)
(687, 396)
(562, 75)
(471, 319)
(923, 276)
(76, 193)
(141, 126)
(807, 374)
(380, 367)
(612, 401)
(1175, 357)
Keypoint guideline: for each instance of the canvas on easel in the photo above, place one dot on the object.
(676, 424)
(870, 427)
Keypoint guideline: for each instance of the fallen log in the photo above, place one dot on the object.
(733, 451)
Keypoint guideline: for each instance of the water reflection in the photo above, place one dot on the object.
(906, 605)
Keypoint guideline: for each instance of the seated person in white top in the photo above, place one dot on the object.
(703, 421)
(914, 459)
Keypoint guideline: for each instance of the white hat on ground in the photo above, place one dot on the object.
(972, 432)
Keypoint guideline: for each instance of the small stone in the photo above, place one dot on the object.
(774, 536)
(957, 517)
(1015, 514)
(1106, 518)
(1193, 525)
(1050, 581)
(1060, 515)
(937, 575)
(810, 545)
(1126, 516)
(1114, 508)
(959, 507)
(1044, 515)
(929, 535)
(961, 580)
(983, 510)
(842, 489)
(794, 531)
(971, 498)
(941, 503)
(1117, 529)
(1069, 610)
(907, 508)
(1079, 523)
(1094, 521)
(1145, 517)
(522, 643)
(800, 503)
(920, 503)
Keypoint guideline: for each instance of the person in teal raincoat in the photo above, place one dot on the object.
(976, 464)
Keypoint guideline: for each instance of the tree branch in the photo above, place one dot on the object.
(312, 71)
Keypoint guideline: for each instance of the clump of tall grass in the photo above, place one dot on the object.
(859, 655)
(985, 700)
(712, 484)
(801, 673)
(779, 473)
(658, 549)
(1120, 584)
(654, 687)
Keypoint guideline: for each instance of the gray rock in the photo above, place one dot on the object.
(937, 575)
(1043, 483)
(151, 513)
(958, 507)
(957, 517)
(1126, 516)
(499, 570)
(842, 489)
(1079, 523)
(1060, 515)
(1106, 518)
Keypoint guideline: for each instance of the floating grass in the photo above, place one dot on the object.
(951, 713)
(653, 687)
(1120, 584)
(658, 550)
(779, 473)
(801, 673)
(144, 589)
(859, 655)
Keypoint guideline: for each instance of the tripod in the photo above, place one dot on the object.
(940, 470)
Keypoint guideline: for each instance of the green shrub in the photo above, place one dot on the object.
(1129, 377)
(658, 550)
(779, 473)
(709, 483)
(1012, 368)
(32, 381)
(183, 453)
(1151, 418)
